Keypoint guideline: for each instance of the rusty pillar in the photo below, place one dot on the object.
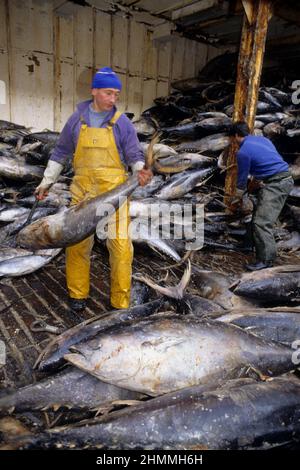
(249, 67)
(264, 13)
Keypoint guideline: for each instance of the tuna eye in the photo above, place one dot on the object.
(95, 345)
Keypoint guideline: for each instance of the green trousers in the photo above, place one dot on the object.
(270, 201)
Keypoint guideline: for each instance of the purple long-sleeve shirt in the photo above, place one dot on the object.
(125, 136)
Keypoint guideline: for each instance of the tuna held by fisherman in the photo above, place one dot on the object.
(102, 143)
(258, 157)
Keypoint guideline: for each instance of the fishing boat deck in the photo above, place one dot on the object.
(42, 295)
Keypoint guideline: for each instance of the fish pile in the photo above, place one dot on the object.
(189, 128)
(193, 123)
(239, 390)
(23, 157)
(211, 366)
(18, 144)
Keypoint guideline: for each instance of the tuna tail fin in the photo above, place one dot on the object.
(175, 292)
(149, 157)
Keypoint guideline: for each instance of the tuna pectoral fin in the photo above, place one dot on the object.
(161, 345)
(77, 360)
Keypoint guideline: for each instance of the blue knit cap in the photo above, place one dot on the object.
(106, 78)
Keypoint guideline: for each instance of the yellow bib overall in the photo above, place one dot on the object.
(98, 169)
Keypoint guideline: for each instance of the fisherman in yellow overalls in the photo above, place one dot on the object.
(103, 143)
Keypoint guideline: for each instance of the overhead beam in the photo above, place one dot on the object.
(173, 6)
(249, 67)
(194, 8)
(204, 24)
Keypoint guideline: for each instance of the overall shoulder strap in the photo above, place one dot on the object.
(114, 119)
(82, 121)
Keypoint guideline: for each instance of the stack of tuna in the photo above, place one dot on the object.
(210, 369)
(193, 122)
(23, 157)
(202, 376)
(189, 166)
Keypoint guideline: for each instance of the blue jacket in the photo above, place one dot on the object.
(258, 157)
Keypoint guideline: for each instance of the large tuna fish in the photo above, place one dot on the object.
(71, 388)
(278, 284)
(215, 286)
(151, 355)
(181, 162)
(241, 414)
(180, 184)
(278, 324)
(198, 128)
(10, 213)
(76, 223)
(152, 237)
(7, 232)
(159, 150)
(52, 356)
(18, 262)
(18, 169)
(211, 143)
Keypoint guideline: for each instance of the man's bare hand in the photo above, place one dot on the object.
(144, 176)
(41, 192)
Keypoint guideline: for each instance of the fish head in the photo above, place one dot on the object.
(43, 233)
